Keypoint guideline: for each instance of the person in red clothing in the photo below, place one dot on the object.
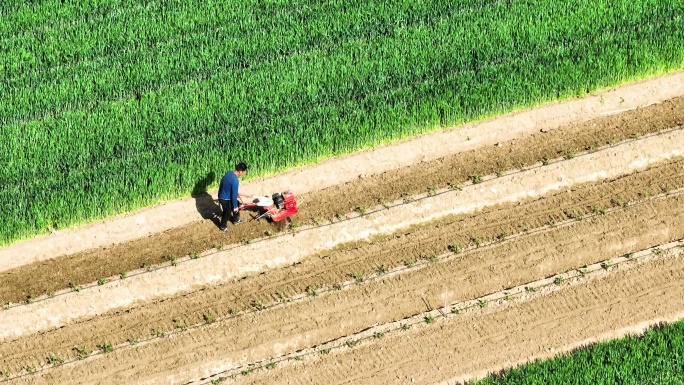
(228, 195)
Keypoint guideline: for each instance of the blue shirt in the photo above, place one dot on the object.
(228, 188)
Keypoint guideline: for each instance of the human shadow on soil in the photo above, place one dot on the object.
(204, 202)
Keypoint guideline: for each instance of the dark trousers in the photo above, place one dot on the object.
(228, 213)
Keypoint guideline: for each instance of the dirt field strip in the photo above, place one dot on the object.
(526, 256)
(302, 180)
(519, 294)
(274, 332)
(628, 298)
(523, 256)
(226, 265)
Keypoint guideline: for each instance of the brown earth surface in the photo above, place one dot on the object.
(318, 207)
(538, 250)
(219, 267)
(459, 348)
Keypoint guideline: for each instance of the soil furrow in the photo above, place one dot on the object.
(469, 346)
(224, 266)
(448, 309)
(301, 324)
(318, 206)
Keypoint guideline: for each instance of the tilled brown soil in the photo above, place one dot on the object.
(40, 278)
(251, 335)
(455, 348)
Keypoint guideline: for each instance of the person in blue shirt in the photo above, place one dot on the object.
(228, 195)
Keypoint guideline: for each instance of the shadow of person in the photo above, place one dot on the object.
(204, 202)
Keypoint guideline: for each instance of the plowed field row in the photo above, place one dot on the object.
(628, 299)
(225, 266)
(253, 336)
(448, 309)
(36, 279)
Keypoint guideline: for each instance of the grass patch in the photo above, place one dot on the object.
(654, 357)
(88, 106)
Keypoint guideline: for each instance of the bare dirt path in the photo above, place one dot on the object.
(254, 336)
(321, 206)
(303, 180)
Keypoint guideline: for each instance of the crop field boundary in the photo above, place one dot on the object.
(435, 312)
(320, 206)
(176, 261)
(171, 214)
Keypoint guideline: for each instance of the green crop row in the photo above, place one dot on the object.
(110, 105)
(656, 357)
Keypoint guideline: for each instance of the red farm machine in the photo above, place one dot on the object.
(278, 207)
